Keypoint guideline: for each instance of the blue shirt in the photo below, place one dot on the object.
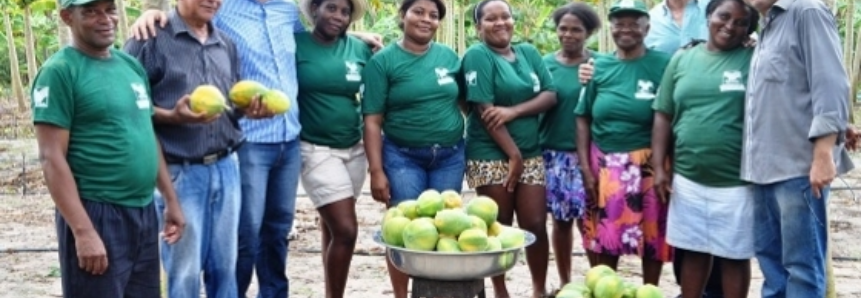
(263, 34)
(665, 35)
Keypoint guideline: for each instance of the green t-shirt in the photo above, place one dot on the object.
(329, 79)
(704, 94)
(558, 125)
(492, 79)
(106, 107)
(619, 98)
(417, 94)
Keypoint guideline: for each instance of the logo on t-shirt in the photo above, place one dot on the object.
(353, 74)
(536, 83)
(645, 90)
(471, 78)
(40, 97)
(732, 81)
(142, 97)
(442, 76)
(361, 93)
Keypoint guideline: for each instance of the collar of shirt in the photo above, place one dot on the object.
(666, 7)
(177, 26)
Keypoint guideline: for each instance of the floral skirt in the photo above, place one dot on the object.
(627, 217)
(566, 198)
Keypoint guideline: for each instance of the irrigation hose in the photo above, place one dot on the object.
(363, 253)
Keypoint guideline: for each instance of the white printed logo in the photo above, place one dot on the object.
(353, 74)
(442, 76)
(645, 90)
(40, 97)
(142, 97)
(732, 81)
(471, 78)
(536, 83)
(361, 93)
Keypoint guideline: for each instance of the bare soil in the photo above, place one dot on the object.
(29, 267)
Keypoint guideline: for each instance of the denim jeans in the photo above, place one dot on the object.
(209, 196)
(791, 238)
(270, 177)
(413, 170)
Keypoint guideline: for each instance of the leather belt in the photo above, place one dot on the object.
(206, 159)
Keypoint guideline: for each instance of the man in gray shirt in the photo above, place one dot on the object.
(795, 120)
(199, 149)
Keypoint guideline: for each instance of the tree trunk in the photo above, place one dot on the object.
(123, 21)
(64, 36)
(29, 46)
(17, 88)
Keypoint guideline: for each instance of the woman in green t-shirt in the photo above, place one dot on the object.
(413, 124)
(566, 198)
(614, 132)
(699, 123)
(328, 65)
(508, 86)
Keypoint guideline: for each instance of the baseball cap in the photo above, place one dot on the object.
(634, 6)
(67, 3)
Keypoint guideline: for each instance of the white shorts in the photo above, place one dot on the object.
(713, 220)
(330, 175)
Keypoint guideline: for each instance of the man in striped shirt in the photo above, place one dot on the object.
(269, 160)
(199, 149)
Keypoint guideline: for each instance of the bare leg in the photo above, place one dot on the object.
(562, 241)
(505, 201)
(652, 270)
(532, 216)
(340, 218)
(696, 269)
(736, 277)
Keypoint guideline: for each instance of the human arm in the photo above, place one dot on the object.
(53, 146)
(584, 138)
(544, 100)
(174, 221)
(820, 48)
(374, 94)
(373, 140)
(662, 144)
(479, 72)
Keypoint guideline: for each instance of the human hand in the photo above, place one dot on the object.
(380, 187)
(144, 26)
(92, 255)
(497, 116)
(183, 114)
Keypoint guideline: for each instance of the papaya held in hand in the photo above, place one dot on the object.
(207, 99)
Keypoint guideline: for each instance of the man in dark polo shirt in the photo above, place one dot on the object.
(101, 159)
(200, 150)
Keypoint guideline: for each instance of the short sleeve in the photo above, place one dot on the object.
(51, 96)
(478, 72)
(541, 69)
(375, 88)
(587, 98)
(664, 102)
(145, 55)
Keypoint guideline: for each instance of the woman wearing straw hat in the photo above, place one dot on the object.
(329, 65)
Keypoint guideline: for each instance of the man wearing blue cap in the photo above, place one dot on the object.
(101, 160)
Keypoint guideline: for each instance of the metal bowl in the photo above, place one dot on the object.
(453, 266)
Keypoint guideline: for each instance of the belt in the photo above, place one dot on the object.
(206, 159)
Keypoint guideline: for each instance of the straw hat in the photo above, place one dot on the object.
(359, 8)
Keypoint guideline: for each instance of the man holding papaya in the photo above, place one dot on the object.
(270, 159)
(192, 57)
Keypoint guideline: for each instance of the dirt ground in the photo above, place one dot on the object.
(26, 223)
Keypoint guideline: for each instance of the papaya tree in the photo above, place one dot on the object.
(9, 9)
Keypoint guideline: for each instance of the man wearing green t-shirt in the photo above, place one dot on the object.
(101, 160)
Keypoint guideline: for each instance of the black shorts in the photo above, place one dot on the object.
(130, 236)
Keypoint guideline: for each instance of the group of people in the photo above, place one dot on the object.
(685, 144)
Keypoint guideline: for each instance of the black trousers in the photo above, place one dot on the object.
(130, 236)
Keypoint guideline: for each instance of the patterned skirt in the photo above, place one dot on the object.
(566, 198)
(627, 218)
(493, 172)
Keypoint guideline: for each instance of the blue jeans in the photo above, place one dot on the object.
(209, 196)
(413, 170)
(791, 238)
(270, 177)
